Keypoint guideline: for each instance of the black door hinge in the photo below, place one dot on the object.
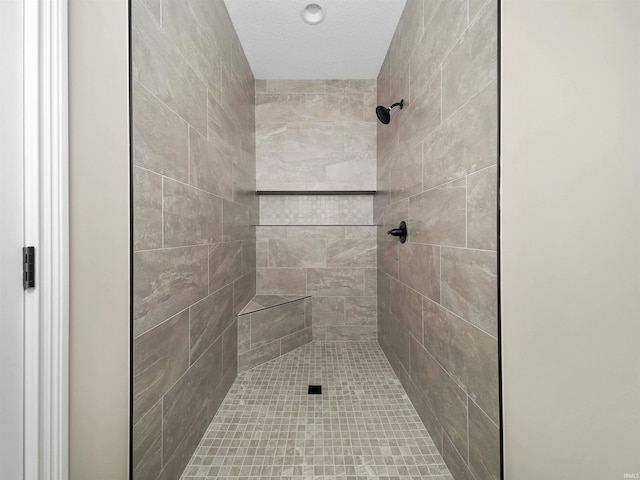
(29, 267)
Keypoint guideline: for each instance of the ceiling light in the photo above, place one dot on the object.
(313, 14)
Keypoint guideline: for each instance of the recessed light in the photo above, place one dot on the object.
(313, 14)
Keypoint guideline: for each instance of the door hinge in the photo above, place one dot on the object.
(29, 267)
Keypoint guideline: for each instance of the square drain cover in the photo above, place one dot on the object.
(315, 389)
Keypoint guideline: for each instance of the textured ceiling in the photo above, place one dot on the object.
(351, 42)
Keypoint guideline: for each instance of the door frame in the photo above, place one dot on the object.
(46, 195)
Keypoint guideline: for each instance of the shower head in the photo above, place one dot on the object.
(384, 113)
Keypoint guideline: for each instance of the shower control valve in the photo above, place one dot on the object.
(401, 232)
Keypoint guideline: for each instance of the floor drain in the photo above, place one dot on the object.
(315, 390)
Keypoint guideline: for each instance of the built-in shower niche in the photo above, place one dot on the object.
(270, 326)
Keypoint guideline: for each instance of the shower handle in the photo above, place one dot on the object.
(401, 232)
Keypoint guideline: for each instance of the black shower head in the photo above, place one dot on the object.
(384, 113)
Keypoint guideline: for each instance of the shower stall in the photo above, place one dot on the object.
(262, 265)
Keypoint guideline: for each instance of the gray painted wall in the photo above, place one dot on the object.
(571, 239)
(98, 240)
(437, 305)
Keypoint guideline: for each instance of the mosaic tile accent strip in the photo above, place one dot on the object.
(316, 210)
(363, 426)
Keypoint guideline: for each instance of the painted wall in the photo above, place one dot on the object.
(194, 204)
(319, 135)
(99, 327)
(437, 305)
(571, 239)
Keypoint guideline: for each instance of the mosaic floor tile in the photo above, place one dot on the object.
(362, 426)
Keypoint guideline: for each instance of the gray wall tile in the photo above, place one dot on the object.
(147, 451)
(484, 445)
(467, 353)
(465, 142)
(193, 122)
(190, 216)
(225, 264)
(208, 319)
(147, 204)
(328, 311)
(160, 136)
(438, 216)
(351, 253)
(469, 286)
(335, 333)
(472, 63)
(360, 311)
(210, 169)
(166, 282)
(482, 208)
(276, 322)
(447, 399)
(184, 406)
(420, 269)
(289, 281)
(161, 69)
(297, 253)
(160, 357)
(335, 282)
(406, 306)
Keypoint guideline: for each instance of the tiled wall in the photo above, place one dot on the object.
(437, 304)
(316, 135)
(271, 326)
(319, 135)
(194, 202)
(336, 265)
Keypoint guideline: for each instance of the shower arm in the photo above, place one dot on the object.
(397, 104)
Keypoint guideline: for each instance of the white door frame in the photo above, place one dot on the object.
(46, 168)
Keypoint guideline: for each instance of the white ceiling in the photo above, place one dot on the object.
(351, 42)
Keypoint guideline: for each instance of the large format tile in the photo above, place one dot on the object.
(467, 141)
(328, 310)
(166, 282)
(208, 319)
(446, 398)
(147, 447)
(469, 286)
(147, 204)
(190, 30)
(406, 306)
(185, 404)
(225, 264)
(472, 63)
(482, 209)
(351, 253)
(360, 311)
(297, 253)
(160, 357)
(438, 216)
(244, 290)
(235, 222)
(444, 23)
(210, 169)
(160, 136)
(276, 322)
(484, 445)
(420, 268)
(281, 281)
(160, 68)
(190, 216)
(339, 282)
(350, 333)
(468, 354)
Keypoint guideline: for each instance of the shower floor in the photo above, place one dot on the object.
(363, 426)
